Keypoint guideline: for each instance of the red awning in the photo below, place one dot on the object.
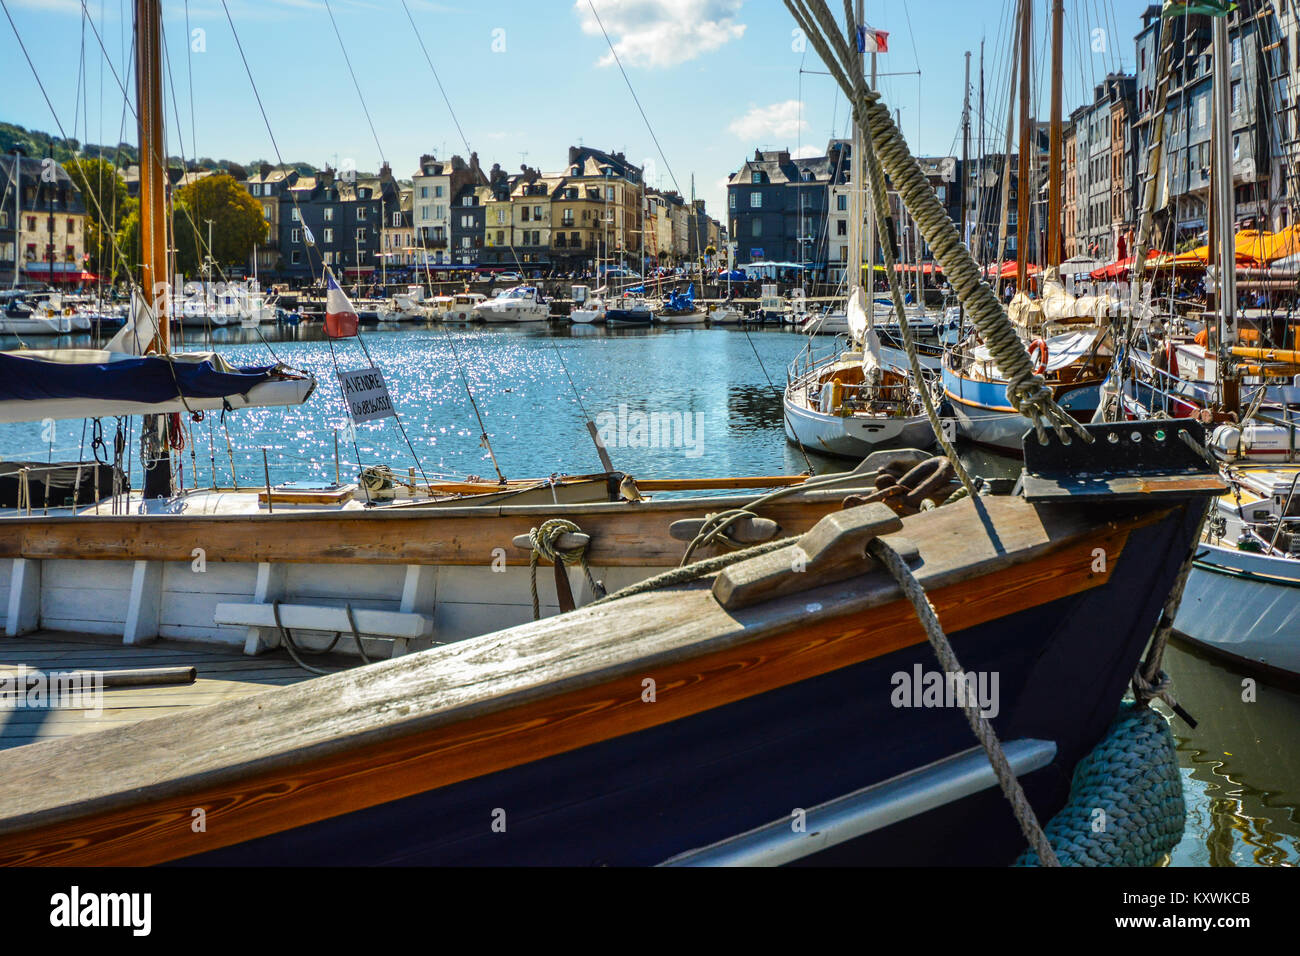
(1009, 270)
(927, 268)
(1117, 270)
(35, 272)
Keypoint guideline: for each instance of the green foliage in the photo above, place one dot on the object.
(237, 223)
(107, 205)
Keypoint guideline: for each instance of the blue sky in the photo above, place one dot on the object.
(717, 78)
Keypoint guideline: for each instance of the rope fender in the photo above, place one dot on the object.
(1126, 798)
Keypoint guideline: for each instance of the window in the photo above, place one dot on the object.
(295, 235)
(329, 235)
(841, 203)
(424, 192)
(755, 200)
(1236, 49)
(31, 223)
(566, 217)
(501, 237)
(524, 215)
(72, 226)
(501, 215)
(1236, 96)
(465, 242)
(756, 179)
(537, 213)
(1236, 148)
(361, 235)
(397, 219)
(361, 214)
(296, 257)
(437, 192)
(267, 212)
(467, 201)
(295, 214)
(731, 200)
(329, 213)
(841, 228)
(609, 193)
(1202, 102)
(757, 228)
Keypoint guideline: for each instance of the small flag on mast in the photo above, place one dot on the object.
(873, 41)
(340, 316)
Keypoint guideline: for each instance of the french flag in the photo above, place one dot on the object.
(873, 41)
(340, 316)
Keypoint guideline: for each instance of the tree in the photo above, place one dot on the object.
(237, 222)
(104, 194)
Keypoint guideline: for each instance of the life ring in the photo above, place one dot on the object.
(1171, 359)
(1038, 345)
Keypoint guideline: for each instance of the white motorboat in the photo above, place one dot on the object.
(591, 312)
(463, 308)
(726, 315)
(513, 306)
(408, 306)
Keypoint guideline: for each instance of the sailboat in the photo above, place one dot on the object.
(847, 401)
(722, 696)
(1243, 591)
(1072, 364)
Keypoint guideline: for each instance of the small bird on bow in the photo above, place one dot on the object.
(627, 489)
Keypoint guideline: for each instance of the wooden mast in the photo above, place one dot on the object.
(153, 174)
(1054, 190)
(153, 224)
(1026, 146)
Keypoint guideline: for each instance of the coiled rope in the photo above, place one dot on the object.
(1026, 391)
(543, 541)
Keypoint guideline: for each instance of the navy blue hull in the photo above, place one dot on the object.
(644, 797)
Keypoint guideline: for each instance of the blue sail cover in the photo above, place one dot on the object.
(147, 379)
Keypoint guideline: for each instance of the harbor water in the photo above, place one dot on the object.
(670, 403)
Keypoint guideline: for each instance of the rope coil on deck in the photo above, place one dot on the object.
(544, 545)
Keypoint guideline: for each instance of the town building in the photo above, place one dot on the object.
(44, 239)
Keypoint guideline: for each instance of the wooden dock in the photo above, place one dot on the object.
(223, 673)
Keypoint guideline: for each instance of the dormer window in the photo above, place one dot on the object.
(756, 179)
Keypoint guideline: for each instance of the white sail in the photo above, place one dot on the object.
(140, 330)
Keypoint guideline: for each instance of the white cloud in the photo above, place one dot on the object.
(807, 152)
(766, 123)
(660, 33)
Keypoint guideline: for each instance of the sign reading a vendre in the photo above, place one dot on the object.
(366, 394)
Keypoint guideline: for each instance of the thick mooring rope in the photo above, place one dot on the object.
(988, 738)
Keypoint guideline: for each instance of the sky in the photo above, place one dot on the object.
(526, 79)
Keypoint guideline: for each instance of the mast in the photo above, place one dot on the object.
(1005, 191)
(1026, 146)
(1227, 285)
(979, 184)
(18, 210)
(871, 218)
(853, 267)
(1054, 190)
(965, 163)
(156, 457)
